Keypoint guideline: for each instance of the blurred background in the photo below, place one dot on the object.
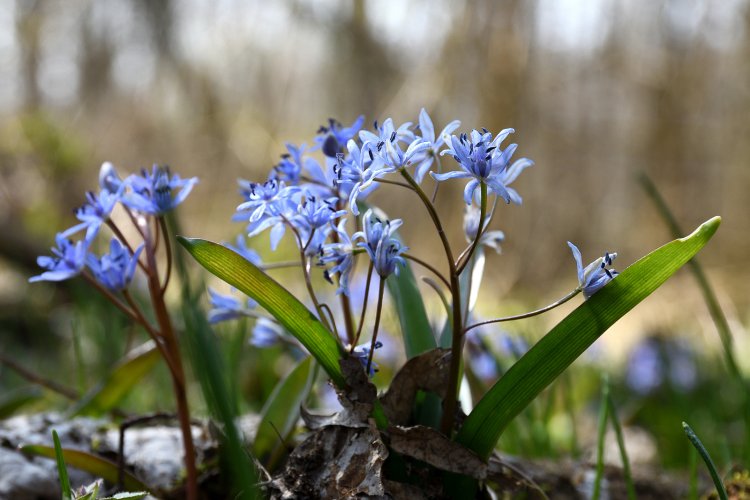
(598, 92)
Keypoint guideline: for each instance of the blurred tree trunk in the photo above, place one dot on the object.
(29, 21)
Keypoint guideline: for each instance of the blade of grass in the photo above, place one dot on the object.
(122, 379)
(601, 432)
(62, 470)
(287, 309)
(281, 410)
(707, 460)
(629, 485)
(549, 357)
(96, 465)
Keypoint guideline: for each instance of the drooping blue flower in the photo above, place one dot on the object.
(332, 138)
(594, 276)
(362, 353)
(356, 173)
(114, 270)
(427, 131)
(95, 212)
(241, 248)
(154, 193)
(68, 261)
(482, 160)
(339, 256)
(384, 251)
(491, 239)
(227, 307)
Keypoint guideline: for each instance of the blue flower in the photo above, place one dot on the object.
(340, 255)
(356, 173)
(266, 333)
(482, 160)
(314, 220)
(68, 261)
(109, 179)
(114, 270)
(362, 353)
(384, 251)
(95, 212)
(595, 275)
(388, 133)
(491, 239)
(269, 204)
(333, 137)
(152, 193)
(227, 307)
(241, 248)
(428, 134)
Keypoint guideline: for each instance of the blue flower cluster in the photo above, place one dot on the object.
(149, 194)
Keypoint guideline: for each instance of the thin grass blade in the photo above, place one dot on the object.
(703, 452)
(62, 471)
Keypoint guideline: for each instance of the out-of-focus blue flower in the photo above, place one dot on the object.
(362, 352)
(592, 278)
(482, 160)
(266, 333)
(154, 192)
(289, 169)
(241, 248)
(340, 256)
(95, 212)
(109, 179)
(333, 137)
(227, 307)
(68, 261)
(491, 239)
(384, 251)
(427, 131)
(644, 368)
(114, 270)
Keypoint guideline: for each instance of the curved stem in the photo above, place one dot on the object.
(440, 294)
(393, 183)
(381, 289)
(155, 336)
(450, 401)
(462, 255)
(111, 297)
(480, 228)
(168, 250)
(528, 314)
(427, 266)
(279, 265)
(118, 234)
(364, 308)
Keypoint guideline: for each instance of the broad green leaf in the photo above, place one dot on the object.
(13, 400)
(281, 410)
(98, 466)
(544, 362)
(415, 326)
(282, 305)
(62, 470)
(126, 374)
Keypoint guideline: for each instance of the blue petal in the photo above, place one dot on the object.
(455, 174)
(579, 262)
(469, 190)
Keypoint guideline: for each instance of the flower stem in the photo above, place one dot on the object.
(426, 266)
(168, 250)
(528, 314)
(450, 401)
(364, 308)
(480, 229)
(378, 309)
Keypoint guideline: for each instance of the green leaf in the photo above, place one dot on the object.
(544, 362)
(62, 470)
(281, 410)
(718, 483)
(415, 325)
(98, 466)
(126, 374)
(13, 400)
(136, 495)
(282, 305)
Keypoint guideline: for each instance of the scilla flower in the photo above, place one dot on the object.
(154, 193)
(428, 135)
(384, 251)
(482, 160)
(68, 261)
(114, 270)
(227, 307)
(340, 255)
(594, 276)
(333, 137)
(95, 212)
